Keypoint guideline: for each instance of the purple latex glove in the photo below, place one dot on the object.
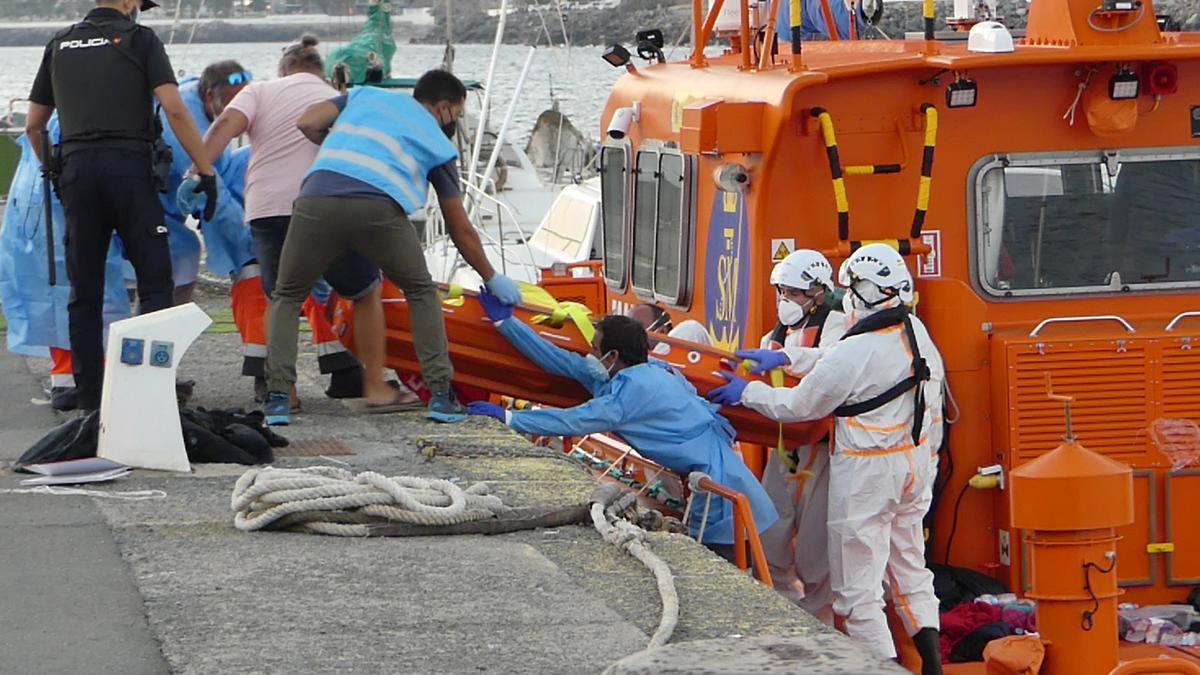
(485, 409)
(728, 394)
(765, 360)
(495, 308)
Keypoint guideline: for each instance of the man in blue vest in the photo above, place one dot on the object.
(380, 151)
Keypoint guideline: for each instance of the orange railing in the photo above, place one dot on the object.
(744, 529)
(640, 469)
(702, 33)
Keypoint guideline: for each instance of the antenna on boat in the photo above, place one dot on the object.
(562, 22)
(481, 124)
(175, 23)
(192, 35)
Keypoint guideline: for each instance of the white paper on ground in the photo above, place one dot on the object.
(77, 478)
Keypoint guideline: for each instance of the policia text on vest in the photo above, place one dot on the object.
(102, 75)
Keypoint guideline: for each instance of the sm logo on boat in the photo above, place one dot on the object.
(727, 270)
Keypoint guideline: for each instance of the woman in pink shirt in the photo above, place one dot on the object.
(279, 157)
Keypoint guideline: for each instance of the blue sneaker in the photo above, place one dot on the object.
(444, 407)
(276, 409)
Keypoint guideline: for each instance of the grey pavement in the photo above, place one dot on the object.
(105, 585)
(69, 602)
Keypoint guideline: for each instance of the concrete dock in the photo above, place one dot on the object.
(94, 584)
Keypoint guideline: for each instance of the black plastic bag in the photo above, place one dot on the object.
(74, 439)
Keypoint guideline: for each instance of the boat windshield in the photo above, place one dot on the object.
(1100, 223)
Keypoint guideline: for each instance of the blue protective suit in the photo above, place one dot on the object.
(37, 312)
(814, 20)
(657, 411)
(227, 241)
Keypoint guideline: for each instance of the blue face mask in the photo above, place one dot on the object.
(596, 367)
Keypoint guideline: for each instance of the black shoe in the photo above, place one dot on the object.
(929, 647)
(64, 399)
(346, 383)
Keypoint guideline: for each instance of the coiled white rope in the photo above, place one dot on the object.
(329, 500)
(632, 539)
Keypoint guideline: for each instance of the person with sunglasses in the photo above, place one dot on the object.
(205, 98)
(228, 246)
(267, 112)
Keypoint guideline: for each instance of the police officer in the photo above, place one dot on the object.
(103, 74)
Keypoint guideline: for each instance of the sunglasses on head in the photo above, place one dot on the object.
(237, 79)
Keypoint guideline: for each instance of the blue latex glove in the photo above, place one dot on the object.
(495, 308)
(504, 288)
(728, 394)
(765, 360)
(189, 199)
(485, 409)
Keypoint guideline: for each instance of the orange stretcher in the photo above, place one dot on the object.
(484, 359)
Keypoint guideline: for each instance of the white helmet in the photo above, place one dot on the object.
(880, 264)
(801, 269)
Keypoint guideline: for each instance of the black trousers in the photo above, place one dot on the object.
(102, 191)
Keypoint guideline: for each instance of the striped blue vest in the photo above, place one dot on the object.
(387, 140)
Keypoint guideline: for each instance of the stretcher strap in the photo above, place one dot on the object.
(560, 312)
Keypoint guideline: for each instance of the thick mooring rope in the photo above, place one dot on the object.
(329, 500)
(625, 535)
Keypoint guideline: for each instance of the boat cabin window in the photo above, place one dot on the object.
(1119, 221)
(614, 195)
(671, 237)
(645, 210)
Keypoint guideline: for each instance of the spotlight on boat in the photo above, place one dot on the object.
(1124, 85)
(962, 93)
(650, 45)
(654, 36)
(616, 55)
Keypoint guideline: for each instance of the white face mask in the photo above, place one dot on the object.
(597, 368)
(789, 312)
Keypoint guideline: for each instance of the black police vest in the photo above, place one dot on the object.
(103, 96)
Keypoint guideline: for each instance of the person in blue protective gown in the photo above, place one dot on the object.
(36, 312)
(645, 402)
(205, 98)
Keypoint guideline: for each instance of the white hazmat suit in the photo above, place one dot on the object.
(880, 477)
(797, 546)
